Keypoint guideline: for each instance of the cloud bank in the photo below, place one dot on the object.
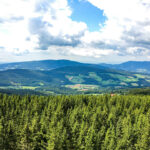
(127, 28)
(43, 29)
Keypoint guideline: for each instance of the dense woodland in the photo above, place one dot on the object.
(140, 91)
(74, 122)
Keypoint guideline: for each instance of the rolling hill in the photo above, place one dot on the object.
(133, 66)
(80, 78)
(44, 65)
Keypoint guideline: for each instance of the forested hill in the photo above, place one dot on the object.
(133, 66)
(73, 77)
(74, 122)
(44, 65)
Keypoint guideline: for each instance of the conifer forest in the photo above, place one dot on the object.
(79, 122)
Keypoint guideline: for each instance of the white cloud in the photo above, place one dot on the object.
(56, 27)
(91, 52)
(15, 8)
(127, 26)
(14, 25)
(29, 26)
(44, 23)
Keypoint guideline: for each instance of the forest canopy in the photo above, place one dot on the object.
(74, 122)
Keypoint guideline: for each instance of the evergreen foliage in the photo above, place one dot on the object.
(140, 91)
(74, 122)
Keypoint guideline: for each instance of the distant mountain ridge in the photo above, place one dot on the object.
(44, 65)
(38, 65)
(133, 66)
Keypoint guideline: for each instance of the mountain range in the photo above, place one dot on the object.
(50, 74)
(45, 65)
(133, 66)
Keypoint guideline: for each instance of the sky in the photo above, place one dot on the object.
(95, 31)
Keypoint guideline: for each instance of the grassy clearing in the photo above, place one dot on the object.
(134, 84)
(140, 76)
(148, 80)
(28, 87)
(18, 87)
(82, 87)
(75, 79)
(125, 78)
(95, 76)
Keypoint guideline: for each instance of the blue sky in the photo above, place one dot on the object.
(86, 12)
(95, 31)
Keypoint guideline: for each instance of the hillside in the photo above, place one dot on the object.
(44, 65)
(80, 78)
(133, 66)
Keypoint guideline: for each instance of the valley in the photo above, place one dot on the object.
(73, 77)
